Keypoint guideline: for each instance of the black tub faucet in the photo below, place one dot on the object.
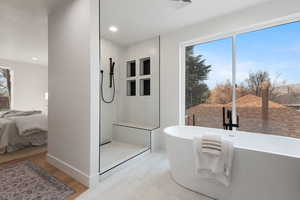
(227, 120)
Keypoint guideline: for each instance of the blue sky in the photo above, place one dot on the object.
(276, 50)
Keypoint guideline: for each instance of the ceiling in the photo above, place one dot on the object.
(24, 28)
(24, 32)
(141, 19)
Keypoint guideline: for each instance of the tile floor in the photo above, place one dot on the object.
(116, 152)
(146, 177)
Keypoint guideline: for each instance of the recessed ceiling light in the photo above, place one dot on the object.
(113, 29)
(34, 58)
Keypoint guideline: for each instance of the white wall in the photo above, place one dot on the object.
(108, 111)
(73, 89)
(170, 44)
(29, 85)
(140, 110)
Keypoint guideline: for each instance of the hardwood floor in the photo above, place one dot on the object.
(41, 161)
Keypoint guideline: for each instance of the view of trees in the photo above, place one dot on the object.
(222, 93)
(5, 89)
(266, 86)
(255, 80)
(4, 85)
(197, 91)
(196, 73)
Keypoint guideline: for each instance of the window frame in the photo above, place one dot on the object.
(233, 34)
(12, 80)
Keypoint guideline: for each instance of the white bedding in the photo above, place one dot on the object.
(19, 132)
(4, 133)
(28, 125)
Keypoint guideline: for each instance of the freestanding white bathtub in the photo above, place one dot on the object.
(265, 167)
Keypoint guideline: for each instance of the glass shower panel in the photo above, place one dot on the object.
(131, 71)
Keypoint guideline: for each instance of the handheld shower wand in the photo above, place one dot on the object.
(111, 81)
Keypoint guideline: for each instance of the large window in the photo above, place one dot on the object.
(266, 78)
(208, 68)
(5, 89)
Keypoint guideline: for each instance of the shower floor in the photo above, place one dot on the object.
(114, 153)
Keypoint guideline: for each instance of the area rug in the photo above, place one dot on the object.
(26, 181)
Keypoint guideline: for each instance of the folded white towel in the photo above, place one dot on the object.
(212, 144)
(224, 173)
(211, 165)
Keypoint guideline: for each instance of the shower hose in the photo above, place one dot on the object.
(114, 89)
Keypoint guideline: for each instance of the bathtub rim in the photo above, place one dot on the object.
(168, 132)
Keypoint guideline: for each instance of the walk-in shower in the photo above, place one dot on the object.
(130, 100)
(129, 93)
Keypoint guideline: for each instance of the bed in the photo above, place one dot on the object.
(21, 129)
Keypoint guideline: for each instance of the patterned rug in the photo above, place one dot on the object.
(26, 181)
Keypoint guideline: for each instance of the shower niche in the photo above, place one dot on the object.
(131, 68)
(131, 87)
(145, 87)
(145, 66)
(143, 78)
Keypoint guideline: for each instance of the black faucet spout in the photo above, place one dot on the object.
(228, 123)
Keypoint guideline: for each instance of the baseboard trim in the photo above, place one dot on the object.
(69, 169)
